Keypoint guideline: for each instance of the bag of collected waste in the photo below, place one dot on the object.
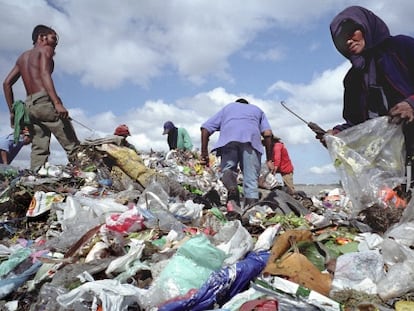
(368, 158)
(130, 162)
(221, 285)
(187, 270)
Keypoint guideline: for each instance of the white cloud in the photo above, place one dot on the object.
(321, 170)
(196, 46)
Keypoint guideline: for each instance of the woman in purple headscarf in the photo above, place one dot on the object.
(381, 79)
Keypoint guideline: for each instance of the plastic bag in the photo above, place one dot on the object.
(234, 240)
(368, 157)
(128, 221)
(43, 202)
(113, 295)
(267, 180)
(188, 269)
(359, 271)
(153, 205)
(393, 285)
(221, 286)
(10, 284)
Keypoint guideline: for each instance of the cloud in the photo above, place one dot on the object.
(145, 40)
(192, 58)
(322, 170)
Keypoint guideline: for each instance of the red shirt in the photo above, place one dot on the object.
(281, 159)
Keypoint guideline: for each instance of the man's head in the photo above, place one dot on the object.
(122, 130)
(44, 32)
(27, 137)
(242, 101)
(168, 126)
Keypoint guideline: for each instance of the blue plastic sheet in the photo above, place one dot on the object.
(222, 285)
(10, 284)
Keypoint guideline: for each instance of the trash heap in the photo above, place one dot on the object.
(128, 231)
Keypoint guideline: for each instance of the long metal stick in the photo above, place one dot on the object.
(299, 117)
(88, 128)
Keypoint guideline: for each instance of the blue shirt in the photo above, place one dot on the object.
(238, 122)
(7, 144)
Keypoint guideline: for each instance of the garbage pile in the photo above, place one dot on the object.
(152, 231)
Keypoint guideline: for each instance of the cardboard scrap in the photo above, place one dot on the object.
(284, 242)
(295, 266)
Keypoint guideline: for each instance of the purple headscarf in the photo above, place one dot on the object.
(374, 29)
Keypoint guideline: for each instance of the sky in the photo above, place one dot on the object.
(143, 62)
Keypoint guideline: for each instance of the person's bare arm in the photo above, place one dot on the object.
(267, 142)
(46, 69)
(205, 135)
(3, 155)
(8, 83)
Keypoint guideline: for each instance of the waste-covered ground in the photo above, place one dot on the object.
(121, 231)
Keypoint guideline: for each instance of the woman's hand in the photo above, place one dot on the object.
(401, 112)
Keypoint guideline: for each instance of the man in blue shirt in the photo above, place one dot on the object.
(242, 126)
(9, 149)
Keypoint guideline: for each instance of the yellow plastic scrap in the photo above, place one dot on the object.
(404, 305)
(130, 162)
(198, 168)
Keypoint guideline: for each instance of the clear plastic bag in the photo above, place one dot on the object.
(368, 157)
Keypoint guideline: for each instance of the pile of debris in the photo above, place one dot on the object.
(128, 231)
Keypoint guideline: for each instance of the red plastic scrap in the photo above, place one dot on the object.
(263, 304)
(391, 197)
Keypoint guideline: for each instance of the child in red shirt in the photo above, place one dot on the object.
(282, 163)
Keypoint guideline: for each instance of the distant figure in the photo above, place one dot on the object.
(9, 149)
(241, 126)
(178, 138)
(123, 131)
(45, 108)
(282, 163)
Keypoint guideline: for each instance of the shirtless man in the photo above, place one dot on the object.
(46, 110)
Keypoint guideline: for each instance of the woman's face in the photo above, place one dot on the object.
(355, 42)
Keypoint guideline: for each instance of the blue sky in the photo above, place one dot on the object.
(145, 62)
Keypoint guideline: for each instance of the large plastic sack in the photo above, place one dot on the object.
(221, 286)
(368, 158)
(187, 270)
(130, 162)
